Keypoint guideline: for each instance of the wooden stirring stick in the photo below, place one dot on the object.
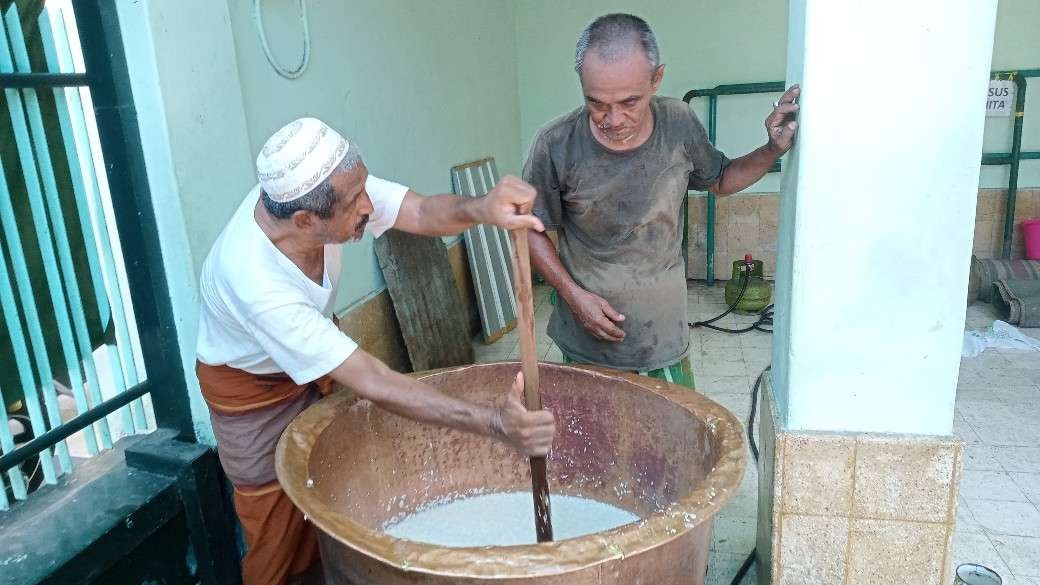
(529, 363)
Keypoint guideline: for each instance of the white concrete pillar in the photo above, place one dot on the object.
(878, 208)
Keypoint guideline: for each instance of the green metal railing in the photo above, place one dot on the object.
(74, 286)
(1013, 158)
(713, 109)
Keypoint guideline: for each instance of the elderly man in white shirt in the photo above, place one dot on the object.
(268, 346)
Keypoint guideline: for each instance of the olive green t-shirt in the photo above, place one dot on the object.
(618, 216)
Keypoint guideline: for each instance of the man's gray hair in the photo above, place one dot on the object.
(319, 200)
(612, 36)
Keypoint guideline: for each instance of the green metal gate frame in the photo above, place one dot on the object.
(1013, 158)
(108, 79)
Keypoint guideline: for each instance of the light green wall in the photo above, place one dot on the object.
(420, 86)
(193, 135)
(419, 89)
(202, 110)
(706, 43)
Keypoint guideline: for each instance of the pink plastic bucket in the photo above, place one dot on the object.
(1031, 234)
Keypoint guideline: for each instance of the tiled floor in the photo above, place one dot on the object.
(998, 416)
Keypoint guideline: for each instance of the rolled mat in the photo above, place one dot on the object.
(1018, 301)
(984, 272)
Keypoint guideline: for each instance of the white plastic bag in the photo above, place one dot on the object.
(1000, 335)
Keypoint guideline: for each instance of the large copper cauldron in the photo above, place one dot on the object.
(668, 454)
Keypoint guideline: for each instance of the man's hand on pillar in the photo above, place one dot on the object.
(781, 124)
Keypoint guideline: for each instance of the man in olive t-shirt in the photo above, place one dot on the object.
(611, 177)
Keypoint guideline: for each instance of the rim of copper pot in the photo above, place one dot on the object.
(531, 559)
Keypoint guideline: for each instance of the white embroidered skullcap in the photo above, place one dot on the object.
(298, 158)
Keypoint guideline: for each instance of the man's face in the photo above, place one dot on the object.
(618, 94)
(352, 208)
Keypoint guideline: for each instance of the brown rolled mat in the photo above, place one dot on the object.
(1018, 301)
(984, 272)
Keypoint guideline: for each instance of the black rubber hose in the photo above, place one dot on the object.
(765, 319)
(765, 315)
(743, 570)
(745, 279)
(750, 560)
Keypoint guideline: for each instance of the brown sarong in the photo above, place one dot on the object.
(249, 413)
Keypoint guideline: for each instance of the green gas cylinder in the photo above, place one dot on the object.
(756, 295)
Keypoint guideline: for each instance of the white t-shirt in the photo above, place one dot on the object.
(260, 313)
